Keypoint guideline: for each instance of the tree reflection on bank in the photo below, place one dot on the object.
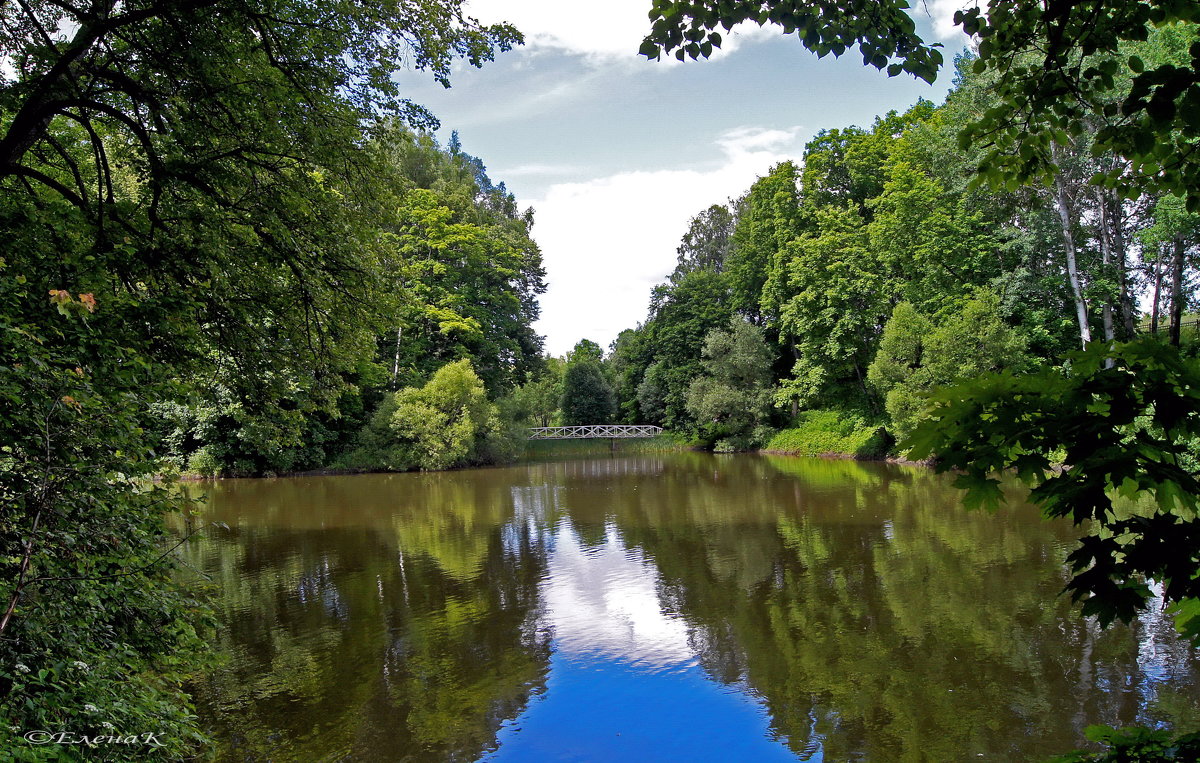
(362, 621)
(416, 616)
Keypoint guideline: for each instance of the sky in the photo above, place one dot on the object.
(616, 153)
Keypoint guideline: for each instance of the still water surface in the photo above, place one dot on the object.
(670, 607)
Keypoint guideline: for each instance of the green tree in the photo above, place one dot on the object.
(837, 300)
(707, 242)
(467, 290)
(897, 371)
(681, 316)
(585, 351)
(175, 176)
(1150, 116)
(653, 365)
(652, 393)
(732, 400)
(915, 356)
(538, 400)
(458, 277)
(768, 220)
(1174, 234)
(445, 424)
(935, 243)
(587, 397)
(627, 355)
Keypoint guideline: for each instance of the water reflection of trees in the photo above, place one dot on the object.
(398, 616)
(877, 619)
(370, 617)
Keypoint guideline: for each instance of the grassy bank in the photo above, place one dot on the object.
(832, 433)
(543, 449)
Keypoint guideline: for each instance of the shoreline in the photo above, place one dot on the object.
(343, 472)
(838, 456)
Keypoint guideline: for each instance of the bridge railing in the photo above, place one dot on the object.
(589, 431)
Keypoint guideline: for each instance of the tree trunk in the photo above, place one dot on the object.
(1122, 261)
(1064, 216)
(1106, 258)
(862, 383)
(1177, 290)
(1157, 292)
(396, 362)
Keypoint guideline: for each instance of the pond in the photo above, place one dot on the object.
(678, 606)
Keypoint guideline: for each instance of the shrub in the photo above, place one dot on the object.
(445, 424)
(203, 463)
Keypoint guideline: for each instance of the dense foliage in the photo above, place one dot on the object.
(97, 636)
(445, 424)
(457, 274)
(223, 244)
(731, 399)
(1062, 71)
(587, 397)
(878, 272)
(915, 356)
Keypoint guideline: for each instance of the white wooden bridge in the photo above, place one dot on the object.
(590, 431)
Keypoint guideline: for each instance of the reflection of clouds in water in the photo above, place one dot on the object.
(533, 502)
(532, 507)
(1153, 655)
(1162, 655)
(317, 586)
(603, 602)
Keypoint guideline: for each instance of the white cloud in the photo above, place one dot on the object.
(613, 29)
(602, 32)
(742, 140)
(606, 242)
(538, 170)
(941, 12)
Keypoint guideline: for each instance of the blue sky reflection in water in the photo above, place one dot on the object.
(702, 607)
(625, 682)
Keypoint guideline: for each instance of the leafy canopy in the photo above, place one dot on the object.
(1057, 65)
(881, 29)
